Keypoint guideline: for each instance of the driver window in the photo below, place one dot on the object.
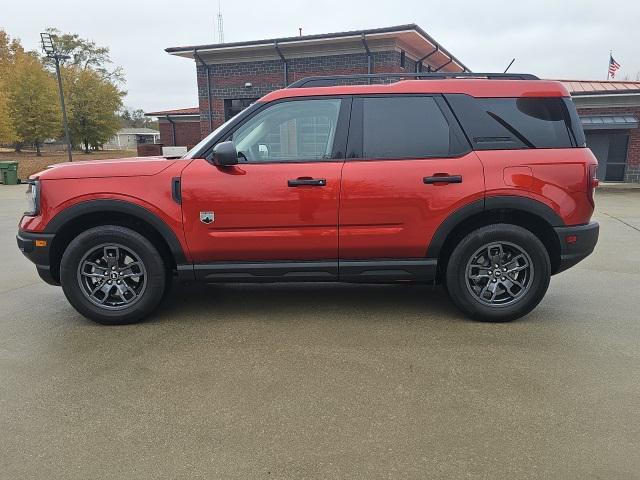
(294, 131)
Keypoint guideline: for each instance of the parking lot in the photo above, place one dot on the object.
(326, 381)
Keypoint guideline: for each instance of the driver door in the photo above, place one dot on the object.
(280, 202)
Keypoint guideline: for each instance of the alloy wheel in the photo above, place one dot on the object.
(499, 274)
(112, 276)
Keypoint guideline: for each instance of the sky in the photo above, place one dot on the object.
(560, 39)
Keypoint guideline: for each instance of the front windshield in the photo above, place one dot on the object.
(197, 150)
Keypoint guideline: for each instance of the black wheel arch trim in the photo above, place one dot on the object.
(525, 204)
(497, 202)
(119, 206)
(450, 223)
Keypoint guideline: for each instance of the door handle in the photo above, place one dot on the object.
(442, 178)
(306, 181)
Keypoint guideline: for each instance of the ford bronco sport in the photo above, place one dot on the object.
(479, 182)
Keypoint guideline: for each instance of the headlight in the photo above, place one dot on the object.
(33, 198)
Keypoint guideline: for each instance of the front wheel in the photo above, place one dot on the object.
(498, 273)
(112, 275)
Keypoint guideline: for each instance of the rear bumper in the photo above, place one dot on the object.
(576, 243)
(38, 252)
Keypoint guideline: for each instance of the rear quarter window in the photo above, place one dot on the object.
(517, 123)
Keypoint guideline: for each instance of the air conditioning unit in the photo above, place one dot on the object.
(173, 152)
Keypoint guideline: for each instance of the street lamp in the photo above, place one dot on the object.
(50, 49)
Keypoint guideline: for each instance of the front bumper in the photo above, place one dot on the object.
(36, 247)
(576, 243)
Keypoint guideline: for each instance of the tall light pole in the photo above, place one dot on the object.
(50, 49)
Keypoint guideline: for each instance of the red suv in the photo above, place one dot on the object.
(479, 182)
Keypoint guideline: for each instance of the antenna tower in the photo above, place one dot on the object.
(220, 24)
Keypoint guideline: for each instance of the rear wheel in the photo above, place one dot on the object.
(113, 275)
(498, 273)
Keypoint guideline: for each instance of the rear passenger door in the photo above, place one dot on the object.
(409, 166)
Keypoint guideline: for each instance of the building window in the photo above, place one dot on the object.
(610, 148)
(142, 139)
(234, 106)
(403, 59)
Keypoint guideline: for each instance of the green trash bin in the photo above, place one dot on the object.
(9, 173)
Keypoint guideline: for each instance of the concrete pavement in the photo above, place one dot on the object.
(326, 381)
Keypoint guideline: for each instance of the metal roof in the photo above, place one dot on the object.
(137, 131)
(355, 34)
(597, 87)
(178, 111)
(608, 122)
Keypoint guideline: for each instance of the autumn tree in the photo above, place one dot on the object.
(7, 132)
(91, 85)
(93, 103)
(33, 101)
(10, 49)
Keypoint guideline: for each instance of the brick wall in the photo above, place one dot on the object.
(149, 150)
(632, 172)
(228, 80)
(188, 133)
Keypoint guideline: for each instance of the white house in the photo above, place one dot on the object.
(130, 138)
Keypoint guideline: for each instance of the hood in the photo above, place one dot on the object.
(126, 167)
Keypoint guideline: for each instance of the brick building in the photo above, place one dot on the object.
(231, 76)
(609, 112)
(179, 127)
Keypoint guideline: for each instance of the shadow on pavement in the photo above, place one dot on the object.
(318, 299)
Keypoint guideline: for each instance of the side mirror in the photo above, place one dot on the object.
(225, 154)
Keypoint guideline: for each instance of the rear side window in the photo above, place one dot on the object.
(514, 123)
(404, 127)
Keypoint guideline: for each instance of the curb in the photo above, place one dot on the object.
(618, 187)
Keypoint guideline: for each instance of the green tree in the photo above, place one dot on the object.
(93, 103)
(135, 118)
(32, 101)
(85, 54)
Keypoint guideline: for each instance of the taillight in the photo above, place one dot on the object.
(592, 182)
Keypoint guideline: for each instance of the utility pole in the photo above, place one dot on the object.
(50, 49)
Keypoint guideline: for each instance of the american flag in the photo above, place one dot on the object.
(613, 66)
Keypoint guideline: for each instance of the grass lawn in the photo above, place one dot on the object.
(29, 163)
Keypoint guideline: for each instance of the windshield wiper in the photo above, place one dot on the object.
(512, 129)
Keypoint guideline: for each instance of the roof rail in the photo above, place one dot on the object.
(331, 80)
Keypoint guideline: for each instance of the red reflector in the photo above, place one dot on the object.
(571, 238)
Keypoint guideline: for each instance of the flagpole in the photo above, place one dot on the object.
(609, 64)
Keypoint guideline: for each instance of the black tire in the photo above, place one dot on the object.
(465, 279)
(148, 278)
